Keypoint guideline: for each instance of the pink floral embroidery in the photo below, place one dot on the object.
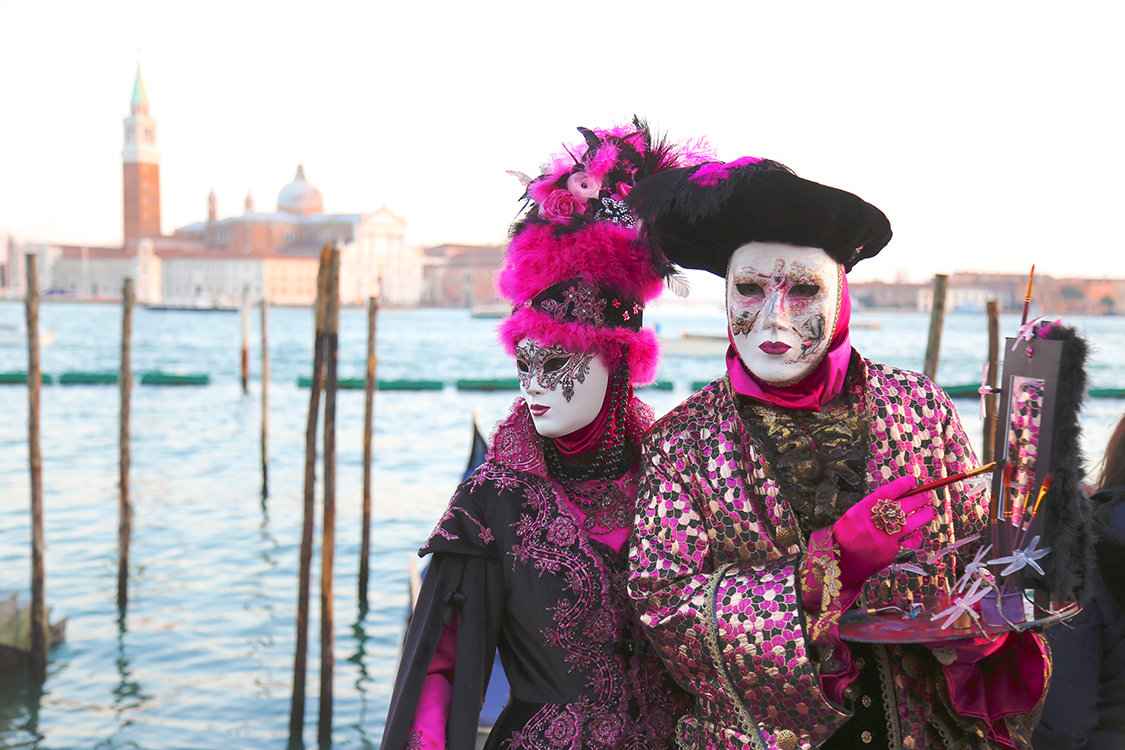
(563, 531)
(563, 730)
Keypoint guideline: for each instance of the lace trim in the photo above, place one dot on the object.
(890, 704)
(749, 725)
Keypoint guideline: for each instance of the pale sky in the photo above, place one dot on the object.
(989, 132)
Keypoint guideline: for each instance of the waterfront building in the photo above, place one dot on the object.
(100, 272)
(460, 275)
(11, 266)
(971, 291)
(276, 254)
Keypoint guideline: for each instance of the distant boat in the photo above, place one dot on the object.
(695, 345)
(13, 335)
(489, 311)
(196, 305)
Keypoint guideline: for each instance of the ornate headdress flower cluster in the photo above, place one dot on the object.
(573, 190)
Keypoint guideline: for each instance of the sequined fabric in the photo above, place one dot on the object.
(713, 520)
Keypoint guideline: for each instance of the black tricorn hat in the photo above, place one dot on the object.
(698, 216)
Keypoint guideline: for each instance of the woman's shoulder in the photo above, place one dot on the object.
(490, 498)
(895, 385)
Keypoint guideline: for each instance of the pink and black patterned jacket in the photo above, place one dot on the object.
(743, 607)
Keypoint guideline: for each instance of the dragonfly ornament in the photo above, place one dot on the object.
(962, 605)
(1021, 558)
(977, 568)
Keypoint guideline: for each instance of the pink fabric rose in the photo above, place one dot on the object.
(560, 206)
(583, 186)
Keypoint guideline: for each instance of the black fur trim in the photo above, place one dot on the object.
(1068, 522)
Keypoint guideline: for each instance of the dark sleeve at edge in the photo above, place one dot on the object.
(478, 616)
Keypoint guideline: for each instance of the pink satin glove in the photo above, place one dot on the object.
(865, 548)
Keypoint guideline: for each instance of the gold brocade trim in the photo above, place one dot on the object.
(818, 459)
(890, 704)
(826, 571)
(943, 730)
(681, 730)
(749, 725)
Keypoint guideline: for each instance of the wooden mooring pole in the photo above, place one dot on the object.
(246, 340)
(328, 542)
(125, 510)
(300, 662)
(40, 640)
(937, 318)
(368, 431)
(265, 396)
(993, 373)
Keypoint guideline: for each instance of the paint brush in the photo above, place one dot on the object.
(937, 483)
(1048, 481)
(1027, 298)
(993, 525)
(1001, 538)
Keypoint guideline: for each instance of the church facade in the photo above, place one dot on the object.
(275, 254)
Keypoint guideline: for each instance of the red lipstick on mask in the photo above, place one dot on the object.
(774, 347)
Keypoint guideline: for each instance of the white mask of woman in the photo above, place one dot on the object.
(783, 302)
(564, 390)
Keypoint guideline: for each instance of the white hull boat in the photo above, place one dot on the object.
(13, 335)
(694, 345)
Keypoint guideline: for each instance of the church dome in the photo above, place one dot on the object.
(300, 197)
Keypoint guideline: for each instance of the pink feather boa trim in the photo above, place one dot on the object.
(602, 253)
(642, 346)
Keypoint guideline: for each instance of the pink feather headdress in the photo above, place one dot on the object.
(576, 272)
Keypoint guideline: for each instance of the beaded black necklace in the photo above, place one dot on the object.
(589, 478)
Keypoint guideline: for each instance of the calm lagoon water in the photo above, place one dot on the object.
(204, 657)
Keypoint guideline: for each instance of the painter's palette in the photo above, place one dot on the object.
(897, 628)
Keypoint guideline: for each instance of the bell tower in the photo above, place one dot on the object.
(141, 163)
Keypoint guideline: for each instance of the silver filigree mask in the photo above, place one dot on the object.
(552, 366)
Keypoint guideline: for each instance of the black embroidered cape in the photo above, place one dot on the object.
(519, 572)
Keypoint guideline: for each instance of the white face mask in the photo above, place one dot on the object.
(564, 390)
(782, 305)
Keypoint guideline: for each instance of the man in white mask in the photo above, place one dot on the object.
(772, 500)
